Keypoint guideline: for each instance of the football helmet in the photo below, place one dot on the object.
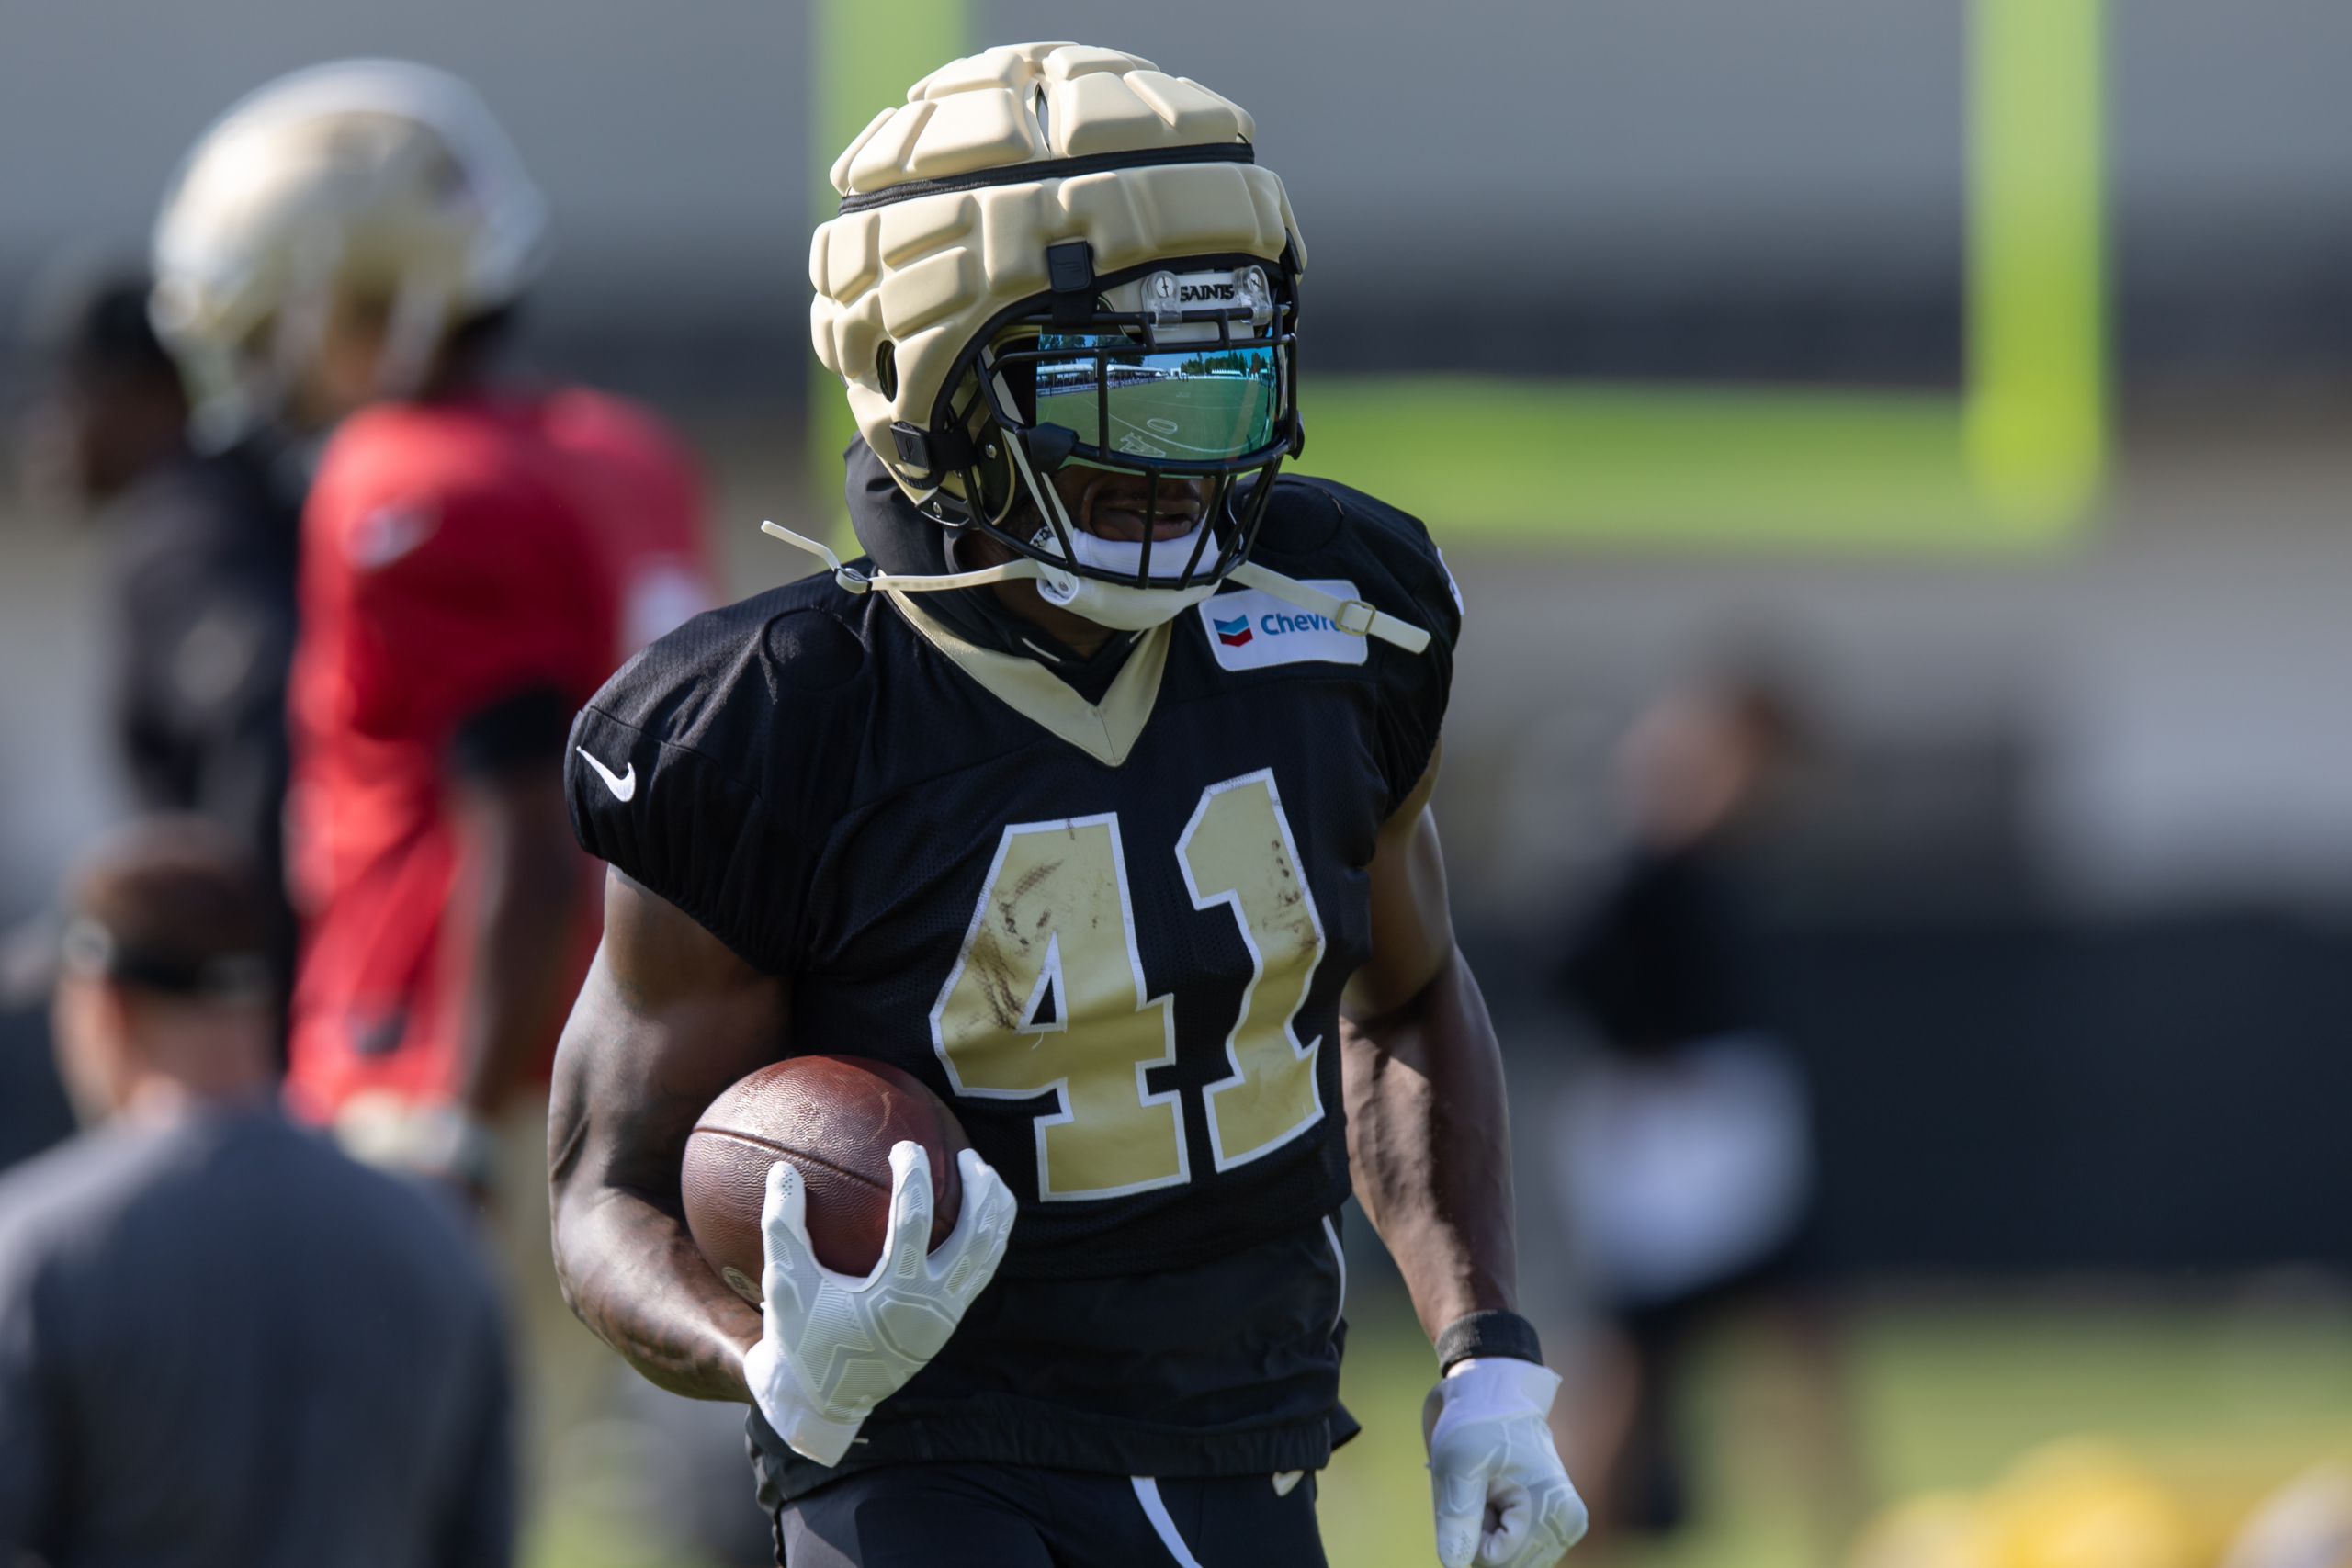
(1053, 254)
(374, 175)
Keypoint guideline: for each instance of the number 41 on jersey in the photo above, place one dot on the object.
(1048, 995)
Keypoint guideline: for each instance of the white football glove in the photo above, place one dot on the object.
(834, 1346)
(1503, 1499)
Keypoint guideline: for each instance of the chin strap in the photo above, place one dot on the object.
(858, 583)
(1351, 616)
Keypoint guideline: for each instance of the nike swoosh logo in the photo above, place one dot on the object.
(623, 785)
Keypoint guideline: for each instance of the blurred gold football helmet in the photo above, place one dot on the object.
(373, 175)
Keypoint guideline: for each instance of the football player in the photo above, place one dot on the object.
(1095, 794)
(343, 251)
(203, 548)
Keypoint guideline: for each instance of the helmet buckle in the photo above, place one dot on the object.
(914, 444)
(1069, 272)
(1163, 299)
(1258, 296)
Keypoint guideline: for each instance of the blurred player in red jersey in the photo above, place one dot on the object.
(349, 242)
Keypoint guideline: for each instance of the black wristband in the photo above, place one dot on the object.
(1487, 1334)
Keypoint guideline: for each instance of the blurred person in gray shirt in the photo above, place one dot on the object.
(221, 1341)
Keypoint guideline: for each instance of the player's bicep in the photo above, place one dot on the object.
(1412, 927)
(669, 1017)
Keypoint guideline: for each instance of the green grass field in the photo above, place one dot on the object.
(1942, 1392)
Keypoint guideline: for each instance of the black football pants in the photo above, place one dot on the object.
(994, 1515)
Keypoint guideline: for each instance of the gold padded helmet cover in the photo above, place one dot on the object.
(925, 274)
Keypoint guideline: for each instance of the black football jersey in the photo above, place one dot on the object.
(1111, 936)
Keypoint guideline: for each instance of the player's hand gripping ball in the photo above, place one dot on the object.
(833, 1347)
(1503, 1498)
(836, 1346)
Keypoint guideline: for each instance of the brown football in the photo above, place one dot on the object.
(835, 1118)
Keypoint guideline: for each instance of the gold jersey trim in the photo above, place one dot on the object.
(1105, 731)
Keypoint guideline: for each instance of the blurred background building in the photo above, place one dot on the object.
(2061, 919)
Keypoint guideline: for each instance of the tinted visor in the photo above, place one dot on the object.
(1193, 402)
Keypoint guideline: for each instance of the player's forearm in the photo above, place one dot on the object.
(634, 1277)
(626, 1263)
(1428, 1136)
(666, 1020)
(519, 867)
